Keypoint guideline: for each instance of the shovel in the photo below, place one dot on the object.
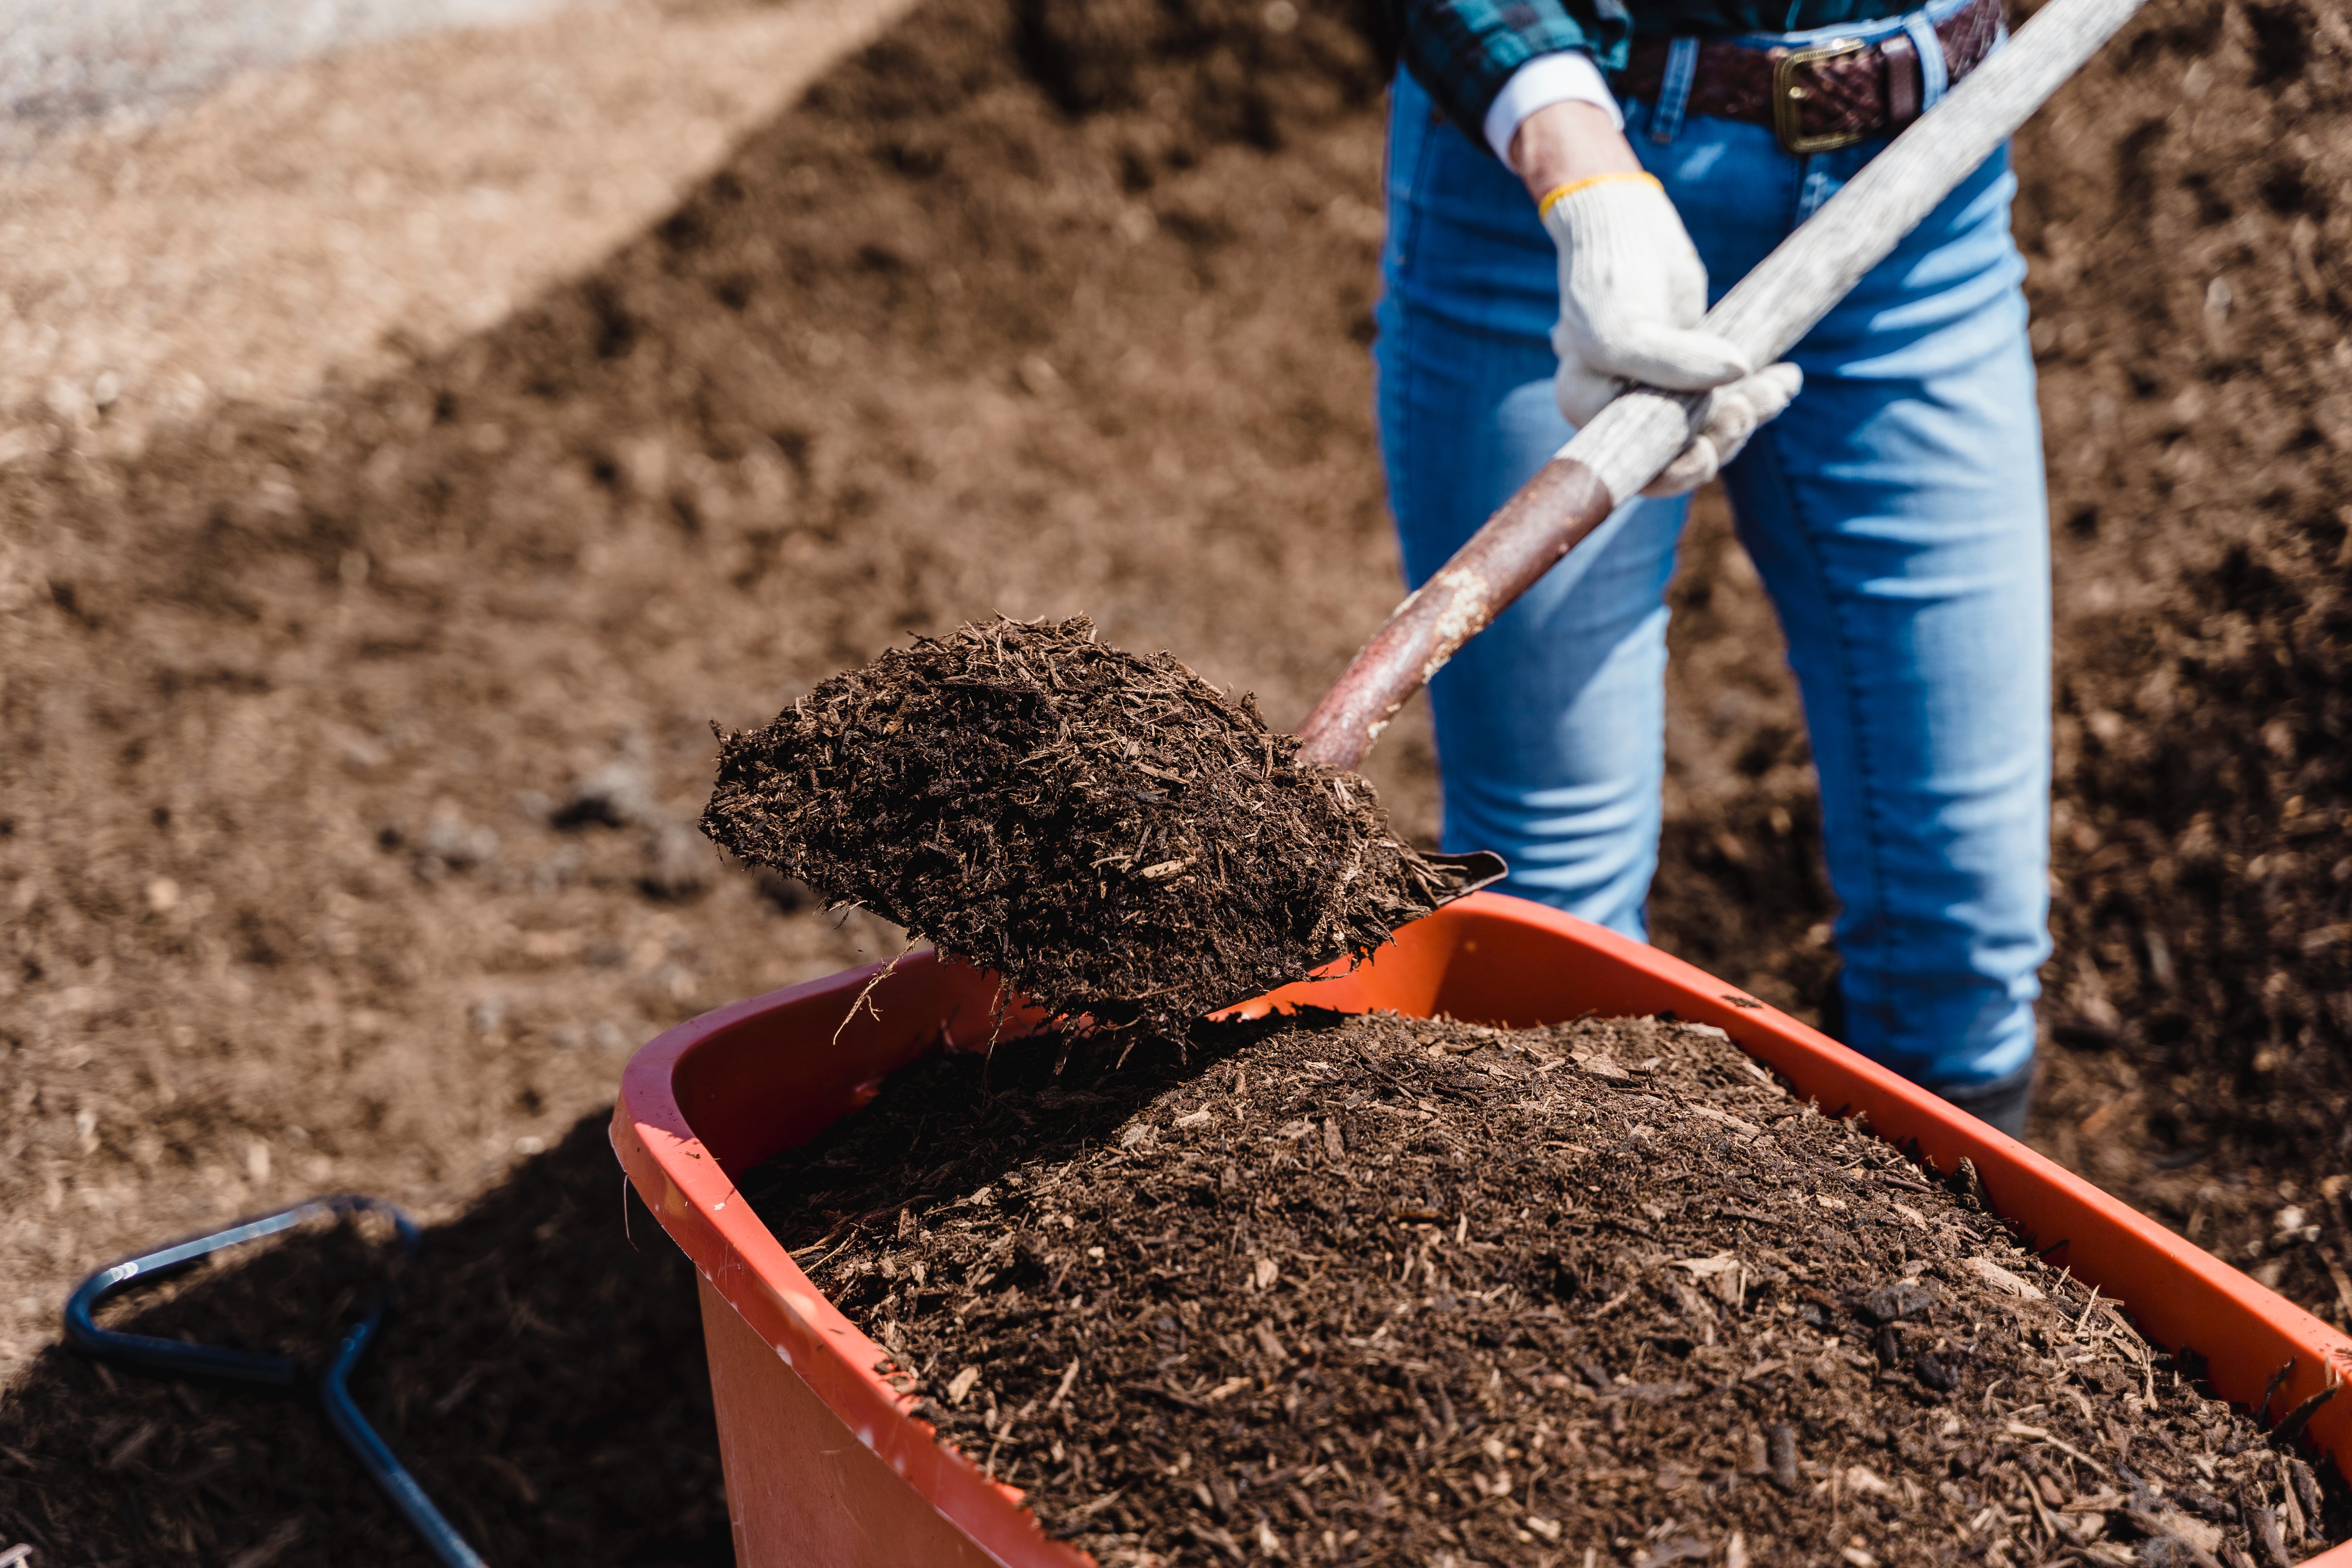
(1637, 435)
(1610, 460)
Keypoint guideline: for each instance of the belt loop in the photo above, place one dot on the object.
(1935, 73)
(1673, 90)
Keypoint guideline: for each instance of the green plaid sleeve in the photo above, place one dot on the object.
(1463, 51)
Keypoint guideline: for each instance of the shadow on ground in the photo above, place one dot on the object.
(543, 1379)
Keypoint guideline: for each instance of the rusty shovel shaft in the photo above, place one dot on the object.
(1630, 441)
(1549, 517)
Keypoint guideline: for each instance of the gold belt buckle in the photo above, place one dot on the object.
(1789, 95)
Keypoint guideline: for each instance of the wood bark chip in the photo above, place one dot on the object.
(2269, 1539)
(2290, 1430)
(2306, 1496)
(1780, 1451)
(2157, 1526)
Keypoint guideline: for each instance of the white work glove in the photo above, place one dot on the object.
(1632, 292)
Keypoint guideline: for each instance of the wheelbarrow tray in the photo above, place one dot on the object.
(824, 1463)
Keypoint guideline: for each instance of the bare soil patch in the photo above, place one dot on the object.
(332, 222)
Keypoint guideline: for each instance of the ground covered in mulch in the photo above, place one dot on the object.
(1110, 832)
(349, 746)
(1382, 1289)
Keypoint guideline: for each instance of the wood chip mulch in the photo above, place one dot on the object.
(1117, 837)
(1377, 1290)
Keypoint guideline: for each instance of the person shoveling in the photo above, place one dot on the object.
(939, 787)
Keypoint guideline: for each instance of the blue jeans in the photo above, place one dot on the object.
(1896, 513)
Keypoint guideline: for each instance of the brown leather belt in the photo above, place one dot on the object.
(1819, 97)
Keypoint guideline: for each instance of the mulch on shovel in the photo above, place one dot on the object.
(1381, 1290)
(1110, 832)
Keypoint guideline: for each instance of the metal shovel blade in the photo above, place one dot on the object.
(1480, 869)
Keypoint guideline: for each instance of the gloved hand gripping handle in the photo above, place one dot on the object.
(1766, 313)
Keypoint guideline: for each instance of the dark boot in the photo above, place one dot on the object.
(2001, 1101)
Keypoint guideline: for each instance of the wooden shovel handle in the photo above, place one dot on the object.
(1642, 430)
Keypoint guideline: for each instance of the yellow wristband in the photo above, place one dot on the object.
(1562, 192)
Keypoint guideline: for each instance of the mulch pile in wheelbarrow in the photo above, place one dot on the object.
(1326, 1290)
(1021, 794)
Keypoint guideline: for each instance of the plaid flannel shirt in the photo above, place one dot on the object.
(1463, 51)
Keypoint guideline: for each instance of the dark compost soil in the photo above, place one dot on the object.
(1385, 1291)
(1110, 832)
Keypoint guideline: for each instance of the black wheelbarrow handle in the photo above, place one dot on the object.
(252, 1369)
